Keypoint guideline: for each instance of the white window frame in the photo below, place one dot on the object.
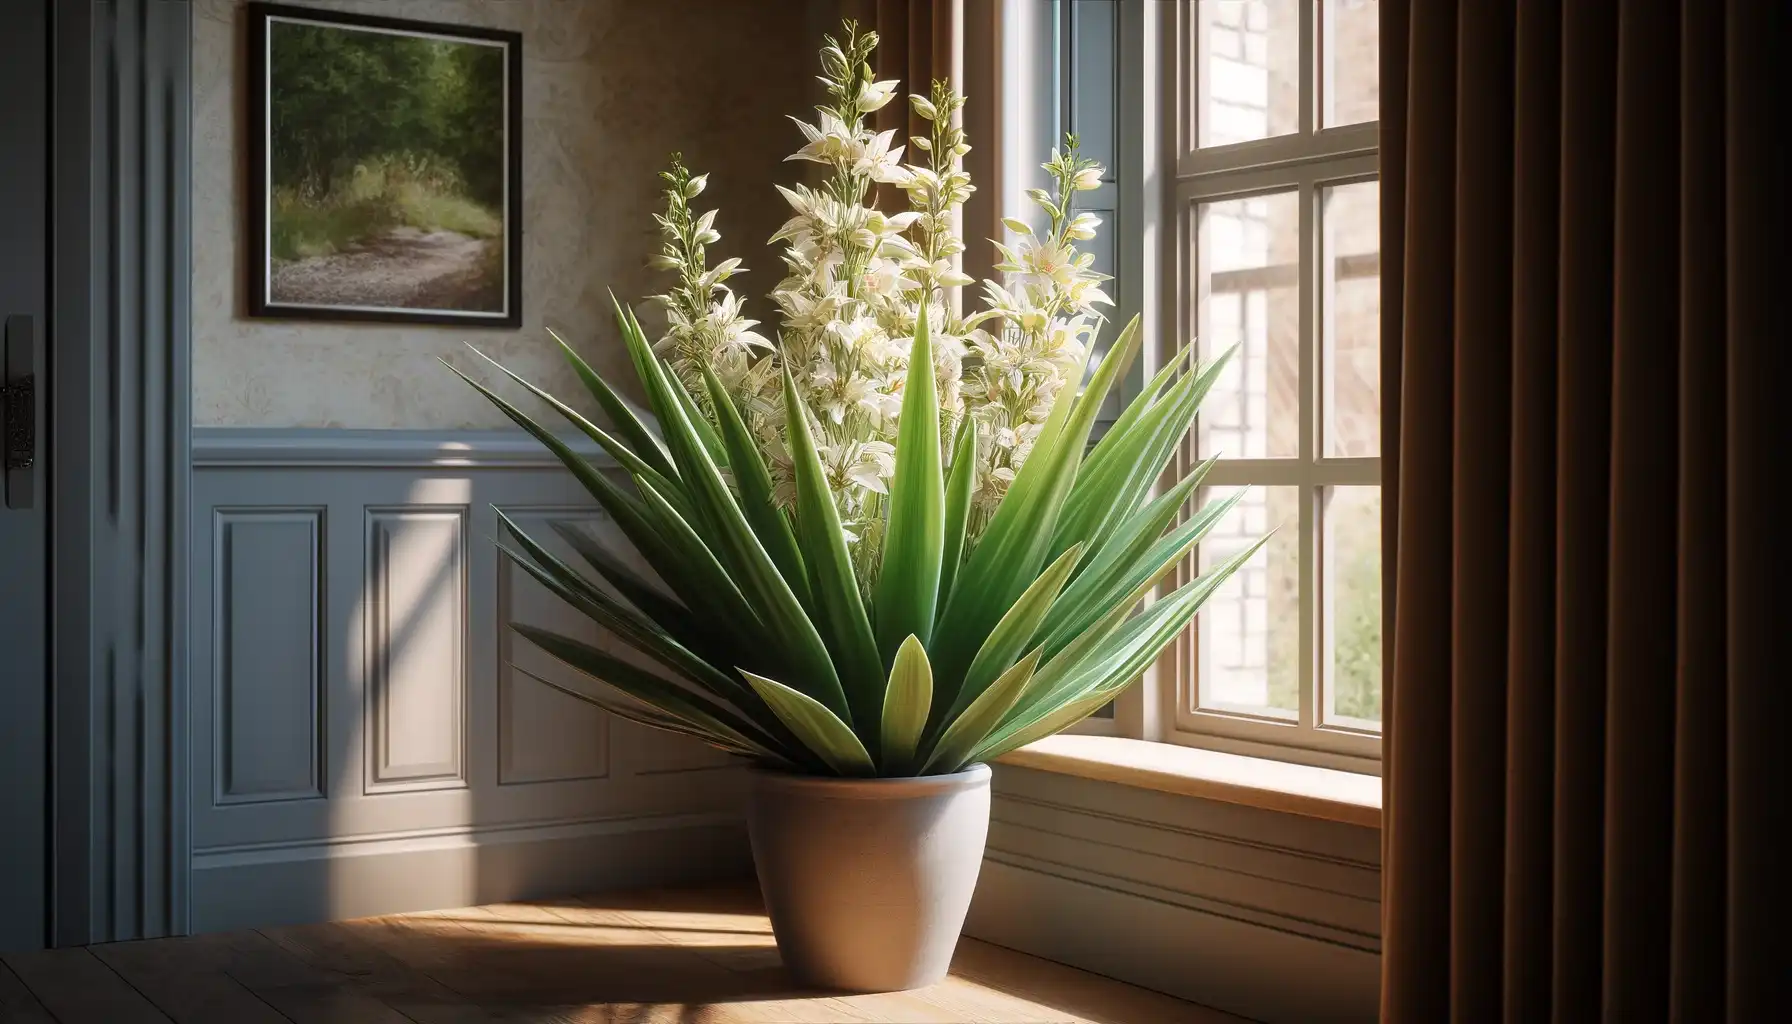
(1048, 90)
(1307, 161)
(1161, 177)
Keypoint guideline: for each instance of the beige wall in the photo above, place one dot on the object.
(610, 87)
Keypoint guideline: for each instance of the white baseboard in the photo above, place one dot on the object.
(1264, 914)
(1237, 966)
(263, 887)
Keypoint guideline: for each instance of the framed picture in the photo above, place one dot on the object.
(384, 178)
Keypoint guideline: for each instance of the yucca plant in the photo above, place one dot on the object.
(876, 613)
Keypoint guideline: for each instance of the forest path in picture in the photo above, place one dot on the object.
(386, 170)
(403, 267)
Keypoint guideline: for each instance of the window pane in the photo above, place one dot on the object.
(1249, 296)
(1353, 605)
(1352, 91)
(1093, 86)
(1249, 631)
(1350, 305)
(1249, 69)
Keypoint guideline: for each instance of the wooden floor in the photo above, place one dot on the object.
(691, 957)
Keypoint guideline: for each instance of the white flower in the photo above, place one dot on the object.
(897, 223)
(865, 464)
(857, 335)
(801, 199)
(1017, 306)
(1083, 225)
(889, 351)
(1084, 294)
(858, 280)
(882, 278)
(1048, 261)
(877, 161)
(944, 273)
(875, 95)
(729, 328)
(839, 393)
(830, 142)
(922, 185)
(719, 273)
(807, 312)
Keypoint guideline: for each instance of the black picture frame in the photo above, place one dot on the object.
(257, 179)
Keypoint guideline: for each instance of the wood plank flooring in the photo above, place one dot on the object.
(656, 957)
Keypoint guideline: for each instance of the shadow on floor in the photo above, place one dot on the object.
(659, 957)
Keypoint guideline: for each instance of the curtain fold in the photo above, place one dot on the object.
(1584, 214)
(956, 40)
(919, 41)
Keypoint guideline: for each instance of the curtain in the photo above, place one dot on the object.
(920, 40)
(956, 40)
(1584, 217)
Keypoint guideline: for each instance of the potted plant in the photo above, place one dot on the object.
(885, 553)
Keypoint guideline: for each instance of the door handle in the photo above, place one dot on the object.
(18, 395)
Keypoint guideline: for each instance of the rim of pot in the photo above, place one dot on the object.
(870, 786)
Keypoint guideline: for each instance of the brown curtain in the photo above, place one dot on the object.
(919, 41)
(1584, 334)
(956, 40)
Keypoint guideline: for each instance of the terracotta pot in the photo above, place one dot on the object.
(867, 881)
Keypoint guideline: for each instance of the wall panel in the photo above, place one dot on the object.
(268, 665)
(543, 734)
(415, 614)
(371, 743)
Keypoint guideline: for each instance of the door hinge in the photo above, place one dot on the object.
(18, 397)
(21, 423)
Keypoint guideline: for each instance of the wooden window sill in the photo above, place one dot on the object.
(1327, 793)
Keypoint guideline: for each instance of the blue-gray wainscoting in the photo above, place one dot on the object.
(360, 741)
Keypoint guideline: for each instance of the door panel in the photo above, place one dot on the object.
(24, 375)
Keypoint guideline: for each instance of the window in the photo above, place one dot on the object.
(1072, 84)
(1085, 88)
(1242, 210)
(1275, 259)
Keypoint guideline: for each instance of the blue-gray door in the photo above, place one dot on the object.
(24, 581)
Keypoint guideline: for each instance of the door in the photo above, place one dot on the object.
(24, 531)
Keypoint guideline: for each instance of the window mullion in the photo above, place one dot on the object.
(1311, 506)
(1344, 143)
(1232, 184)
(1309, 62)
